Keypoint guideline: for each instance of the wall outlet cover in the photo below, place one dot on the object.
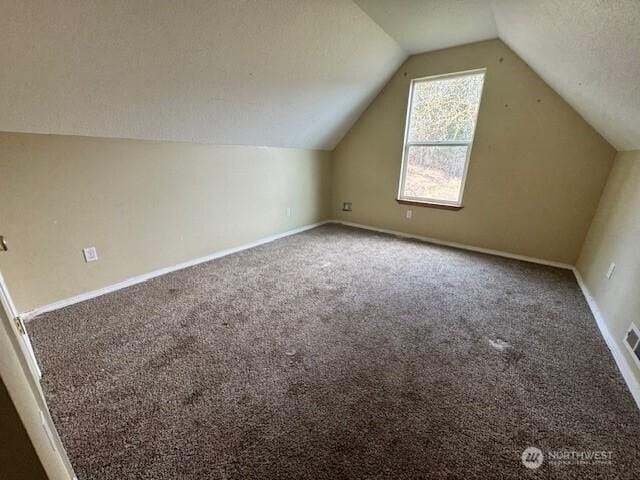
(90, 254)
(346, 207)
(288, 211)
(409, 213)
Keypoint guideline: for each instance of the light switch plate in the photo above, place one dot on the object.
(90, 254)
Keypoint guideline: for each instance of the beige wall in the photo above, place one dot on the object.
(535, 177)
(144, 205)
(536, 172)
(615, 237)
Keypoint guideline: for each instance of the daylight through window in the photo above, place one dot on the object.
(440, 126)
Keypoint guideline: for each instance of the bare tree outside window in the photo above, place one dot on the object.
(440, 126)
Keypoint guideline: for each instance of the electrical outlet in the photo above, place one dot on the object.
(409, 213)
(612, 267)
(288, 211)
(90, 254)
(346, 206)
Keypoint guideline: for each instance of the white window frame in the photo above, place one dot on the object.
(407, 144)
(630, 347)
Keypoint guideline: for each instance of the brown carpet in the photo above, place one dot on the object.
(337, 353)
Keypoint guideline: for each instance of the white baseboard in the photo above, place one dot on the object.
(616, 351)
(26, 316)
(620, 359)
(459, 245)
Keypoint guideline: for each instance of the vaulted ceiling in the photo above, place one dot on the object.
(289, 73)
(586, 50)
(425, 25)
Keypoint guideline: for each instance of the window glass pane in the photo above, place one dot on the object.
(445, 110)
(434, 172)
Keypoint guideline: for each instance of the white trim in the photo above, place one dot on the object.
(30, 403)
(440, 76)
(26, 316)
(461, 246)
(406, 143)
(6, 302)
(620, 359)
(618, 356)
(623, 366)
(636, 330)
(439, 144)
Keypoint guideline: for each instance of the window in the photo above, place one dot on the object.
(441, 122)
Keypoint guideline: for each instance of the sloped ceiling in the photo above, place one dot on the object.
(288, 73)
(425, 25)
(586, 50)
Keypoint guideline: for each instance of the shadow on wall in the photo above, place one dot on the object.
(536, 172)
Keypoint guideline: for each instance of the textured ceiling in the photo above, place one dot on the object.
(586, 50)
(425, 25)
(289, 73)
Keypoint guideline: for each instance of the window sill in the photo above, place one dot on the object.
(443, 206)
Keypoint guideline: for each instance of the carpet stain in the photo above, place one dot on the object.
(180, 347)
(499, 345)
(337, 354)
(508, 353)
(193, 397)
